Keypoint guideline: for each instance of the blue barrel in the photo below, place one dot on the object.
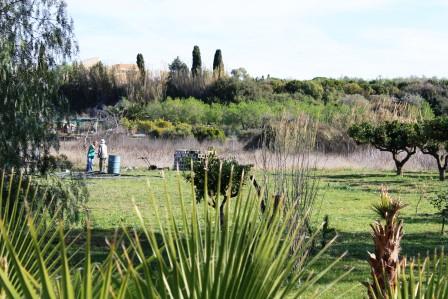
(113, 165)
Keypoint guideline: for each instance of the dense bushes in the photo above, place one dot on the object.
(245, 119)
(90, 87)
(234, 90)
(160, 128)
(54, 163)
(202, 133)
(98, 85)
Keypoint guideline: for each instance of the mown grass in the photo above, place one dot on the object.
(345, 195)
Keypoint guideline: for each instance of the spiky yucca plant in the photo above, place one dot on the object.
(194, 257)
(385, 261)
(15, 213)
(419, 279)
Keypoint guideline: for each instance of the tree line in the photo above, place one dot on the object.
(99, 87)
(403, 139)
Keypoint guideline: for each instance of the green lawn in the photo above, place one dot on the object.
(346, 196)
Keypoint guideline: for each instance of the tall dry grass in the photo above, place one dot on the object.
(161, 153)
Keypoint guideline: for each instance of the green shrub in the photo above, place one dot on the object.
(61, 197)
(65, 196)
(130, 125)
(440, 202)
(145, 126)
(55, 163)
(203, 133)
(181, 130)
(230, 175)
(164, 129)
(353, 88)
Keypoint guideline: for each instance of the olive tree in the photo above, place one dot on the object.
(395, 137)
(433, 140)
(213, 177)
(35, 36)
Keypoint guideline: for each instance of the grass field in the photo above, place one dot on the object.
(346, 196)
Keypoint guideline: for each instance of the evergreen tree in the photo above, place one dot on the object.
(141, 65)
(196, 68)
(178, 78)
(178, 67)
(218, 65)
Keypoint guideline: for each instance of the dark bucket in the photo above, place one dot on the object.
(113, 165)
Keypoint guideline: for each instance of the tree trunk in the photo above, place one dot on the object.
(443, 224)
(441, 173)
(399, 164)
(222, 220)
(441, 164)
(399, 168)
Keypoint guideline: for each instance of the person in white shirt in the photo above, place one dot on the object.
(102, 155)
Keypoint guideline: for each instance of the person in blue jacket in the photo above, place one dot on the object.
(90, 156)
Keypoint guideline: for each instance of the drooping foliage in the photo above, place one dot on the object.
(34, 37)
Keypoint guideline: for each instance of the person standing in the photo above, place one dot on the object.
(90, 156)
(102, 155)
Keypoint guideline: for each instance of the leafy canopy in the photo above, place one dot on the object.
(392, 136)
(34, 37)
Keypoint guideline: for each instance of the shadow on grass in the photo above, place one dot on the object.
(101, 238)
(380, 177)
(422, 219)
(358, 245)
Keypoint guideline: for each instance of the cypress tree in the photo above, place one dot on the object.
(141, 65)
(196, 68)
(218, 65)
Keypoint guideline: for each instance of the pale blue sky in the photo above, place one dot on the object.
(283, 38)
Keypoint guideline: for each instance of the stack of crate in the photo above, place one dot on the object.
(182, 158)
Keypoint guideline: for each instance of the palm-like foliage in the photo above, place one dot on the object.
(15, 201)
(425, 279)
(193, 257)
(385, 261)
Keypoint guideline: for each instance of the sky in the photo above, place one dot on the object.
(283, 38)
